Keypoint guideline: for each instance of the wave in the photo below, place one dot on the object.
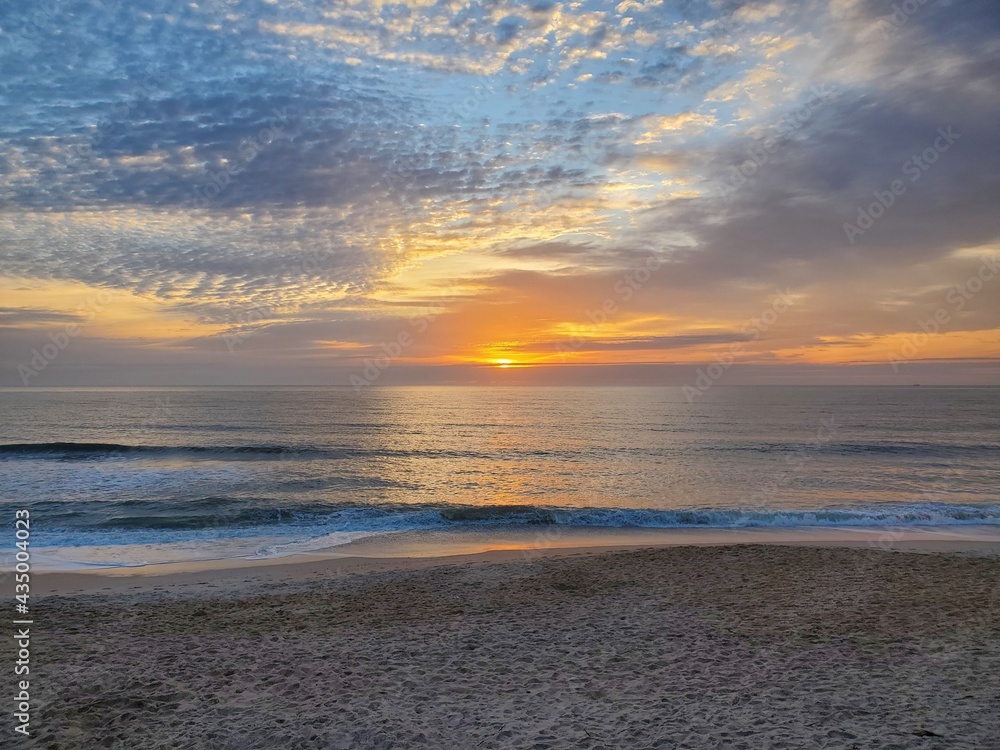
(913, 448)
(917, 514)
(271, 516)
(69, 451)
(848, 449)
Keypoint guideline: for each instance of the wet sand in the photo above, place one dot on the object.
(168, 563)
(752, 646)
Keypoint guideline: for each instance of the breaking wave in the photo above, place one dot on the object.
(156, 521)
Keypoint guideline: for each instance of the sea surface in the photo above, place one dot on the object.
(127, 476)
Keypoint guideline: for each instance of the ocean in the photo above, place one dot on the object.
(127, 476)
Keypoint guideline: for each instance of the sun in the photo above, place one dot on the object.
(504, 363)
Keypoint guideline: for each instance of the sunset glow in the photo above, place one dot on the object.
(276, 195)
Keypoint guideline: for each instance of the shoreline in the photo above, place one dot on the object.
(421, 550)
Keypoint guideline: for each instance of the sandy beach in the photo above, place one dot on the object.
(757, 646)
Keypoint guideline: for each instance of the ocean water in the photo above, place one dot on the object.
(190, 472)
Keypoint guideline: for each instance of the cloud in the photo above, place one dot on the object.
(648, 343)
(656, 126)
(340, 167)
(757, 12)
(20, 317)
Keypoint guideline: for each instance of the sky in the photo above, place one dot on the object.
(372, 193)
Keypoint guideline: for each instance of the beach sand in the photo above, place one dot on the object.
(755, 646)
